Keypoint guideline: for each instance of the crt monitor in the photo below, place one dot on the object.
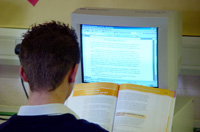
(128, 46)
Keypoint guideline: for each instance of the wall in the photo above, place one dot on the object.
(11, 92)
(21, 14)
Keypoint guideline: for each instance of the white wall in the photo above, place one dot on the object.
(11, 92)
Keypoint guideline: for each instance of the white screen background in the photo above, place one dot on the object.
(118, 55)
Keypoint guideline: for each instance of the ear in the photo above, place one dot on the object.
(22, 73)
(73, 74)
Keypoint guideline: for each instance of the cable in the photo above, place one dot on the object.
(22, 82)
(7, 115)
(4, 119)
(17, 50)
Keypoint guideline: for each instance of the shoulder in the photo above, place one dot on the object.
(89, 127)
(65, 122)
(4, 126)
(83, 125)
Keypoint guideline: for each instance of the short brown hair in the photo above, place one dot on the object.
(48, 51)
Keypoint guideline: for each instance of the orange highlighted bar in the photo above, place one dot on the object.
(87, 89)
(131, 115)
(148, 89)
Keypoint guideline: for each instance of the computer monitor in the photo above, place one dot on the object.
(128, 46)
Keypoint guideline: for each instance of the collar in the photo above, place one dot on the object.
(47, 109)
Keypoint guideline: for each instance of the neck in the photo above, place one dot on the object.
(58, 95)
(40, 98)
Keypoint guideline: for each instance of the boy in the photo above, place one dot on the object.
(49, 57)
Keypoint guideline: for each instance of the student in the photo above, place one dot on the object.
(49, 57)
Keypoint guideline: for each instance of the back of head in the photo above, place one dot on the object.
(48, 51)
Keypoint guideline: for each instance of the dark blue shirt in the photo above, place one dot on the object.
(46, 123)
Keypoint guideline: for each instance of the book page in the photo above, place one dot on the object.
(142, 109)
(95, 102)
(171, 114)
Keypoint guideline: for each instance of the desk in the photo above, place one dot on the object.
(183, 120)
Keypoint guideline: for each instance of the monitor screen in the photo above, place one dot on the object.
(120, 54)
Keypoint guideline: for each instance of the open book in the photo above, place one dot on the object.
(125, 107)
